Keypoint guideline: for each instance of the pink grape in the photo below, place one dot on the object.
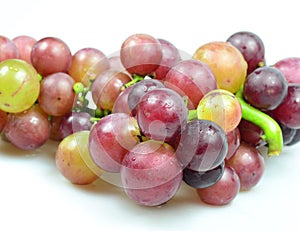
(51, 55)
(24, 44)
(29, 129)
(8, 49)
(141, 54)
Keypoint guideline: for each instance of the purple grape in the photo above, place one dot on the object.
(74, 122)
(198, 179)
(265, 88)
(252, 48)
(203, 145)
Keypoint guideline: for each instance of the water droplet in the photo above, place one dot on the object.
(133, 158)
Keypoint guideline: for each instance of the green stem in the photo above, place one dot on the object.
(271, 129)
(136, 78)
(192, 115)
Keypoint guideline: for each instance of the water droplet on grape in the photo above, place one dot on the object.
(133, 158)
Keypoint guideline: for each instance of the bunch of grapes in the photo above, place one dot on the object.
(150, 116)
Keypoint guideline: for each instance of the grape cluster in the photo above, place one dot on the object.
(149, 115)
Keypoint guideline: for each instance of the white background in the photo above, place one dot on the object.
(33, 194)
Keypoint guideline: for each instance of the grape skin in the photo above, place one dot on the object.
(161, 114)
(24, 44)
(29, 129)
(150, 173)
(8, 49)
(3, 116)
(57, 96)
(50, 55)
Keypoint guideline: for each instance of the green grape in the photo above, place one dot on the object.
(221, 107)
(19, 85)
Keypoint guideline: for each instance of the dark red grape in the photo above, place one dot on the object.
(56, 95)
(203, 145)
(265, 88)
(248, 164)
(141, 54)
(29, 129)
(251, 133)
(24, 44)
(288, 112)
(192, 79)
(290, 68)
(161, 114)
(150, 173)
(252, 48)
(74, 122)
(51, 55)
(198, 179)
(8, 49)
(222, 192)
(295, 139)
(139, 89)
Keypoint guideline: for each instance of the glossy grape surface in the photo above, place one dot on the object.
(203, 145)
(222, 192)
(198, 179)
(70, 162)
(265, 88)
(221, 107)
(51, 55)
(111, 139)
(24, 44)
(141, 54)
(19, 85)
(252, 48)
(87, 64)
(226, 62)
(192, 79)
(107, 87)
(57, 96)
(290, 68)
(8, 49)
(288, 112)
(161, 114)
(248, 164)
(29, 129)
(150, 173)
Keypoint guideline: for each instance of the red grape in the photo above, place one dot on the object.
(288, 112)
(87, 64)
(57, 96)
(141, 54)
(107, 87)
(170, 56)
(234, 141)
(8, 49)
(111, 139)
(3, 116)
(265, 88)
(251, 133)
(150, 173)
(252, 48)
(24, 44)
(29, 129)
(50, 55)
(191, 78)
(222, 192)
(121, 103)
(290, 68)
(161, 114)
(248, 164)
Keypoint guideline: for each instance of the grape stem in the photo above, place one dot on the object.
(135, 78)
(272, 131)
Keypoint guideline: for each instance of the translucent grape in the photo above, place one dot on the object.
(19, 85)
(221, 107)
